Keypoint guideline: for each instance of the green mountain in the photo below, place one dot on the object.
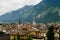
(45, 12)
(16, 15)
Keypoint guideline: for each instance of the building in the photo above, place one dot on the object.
(0, 27)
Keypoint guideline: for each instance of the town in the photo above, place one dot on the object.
(36, 30)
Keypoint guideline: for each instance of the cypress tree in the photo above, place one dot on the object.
(50, 33)
(18, 36)
(14, 37)
(59, 34)
(29, 37)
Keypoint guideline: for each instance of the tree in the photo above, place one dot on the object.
(14, 37)
(59, 33)
(50, 33)
(18, 36)
(2, 32)
(29, 37)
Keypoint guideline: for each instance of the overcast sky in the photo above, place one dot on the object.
(9, 5)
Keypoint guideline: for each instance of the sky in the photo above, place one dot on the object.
(10, 5)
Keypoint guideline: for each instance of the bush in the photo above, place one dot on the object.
(50, 33)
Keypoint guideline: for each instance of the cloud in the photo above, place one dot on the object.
(9, 5)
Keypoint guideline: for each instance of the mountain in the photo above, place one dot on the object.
(44, 12)
(15, 16)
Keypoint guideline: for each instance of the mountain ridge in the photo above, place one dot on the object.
(46, 11)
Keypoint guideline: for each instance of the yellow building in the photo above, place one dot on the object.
(11, 37)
